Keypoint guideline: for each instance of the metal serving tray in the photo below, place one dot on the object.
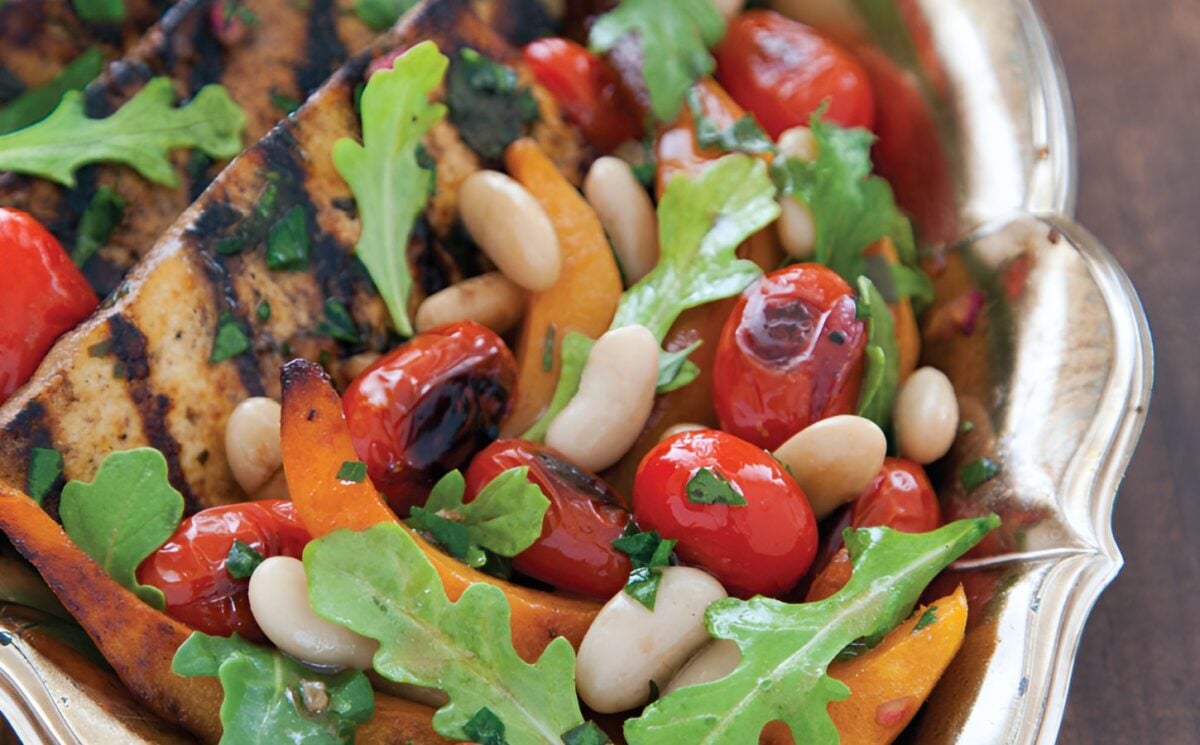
(1056, 379)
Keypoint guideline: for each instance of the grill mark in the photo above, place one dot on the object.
(129, 348)
(225, 298)
(30, 429)
(323, 50)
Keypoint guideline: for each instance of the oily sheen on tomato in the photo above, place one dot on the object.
(900, 497)
(425, 408)
(790, 354)
(47, 297)
(761, 547)
(190, 566)
(574, 552)
(782, 71)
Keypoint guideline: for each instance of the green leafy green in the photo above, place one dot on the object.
(242, 560)
(45, 466)
(675, 370)
(648, 553)
(140, 134)
(229, 340)
(380, 14)
(486, 104)
(100, 11)
(573, 355)
(125, 514)
(354, 471)
(100, 219)
(709, 487)
(288, 244)
(882, 376)
(391, 189)
(674, 37)
(34, 105)
(485, 728)
(978, 472)
(743, 136)
(462, 648)
(786, 648)
(505, 518)
(271, 698)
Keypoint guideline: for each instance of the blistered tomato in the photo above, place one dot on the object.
(190, 566)
(585, 516)
(790, 354)
(763, 546)
(428, 406)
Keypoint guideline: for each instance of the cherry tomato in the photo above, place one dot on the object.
(588, 90)
(783, 71)
(677, 149)
(46, 295)
(190, 566)
(585, 516)
(760, 548)
(900, 498)
(428, 406)
(790, 354)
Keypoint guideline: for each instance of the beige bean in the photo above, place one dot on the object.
(252, 444)
(799, 142)
(678, 429)
(490, 299)
(926, 415)
(279, 602)
(796, 228)
(714, 661)
(628, 646)
(627, 214)
(511, 227)
(834, 460)
(616, 393)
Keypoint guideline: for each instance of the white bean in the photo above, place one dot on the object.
(926, 415)
(616, 393)
(714, 661)
(834, 460)
(627, 215)
(252, 444)
(628, 646)
(799, 142)
(678, 429)
(796, 228)
(490, 299)
(279, 602)
(511, 227)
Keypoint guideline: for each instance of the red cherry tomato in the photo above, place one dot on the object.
(760, 548)
(428, 406)
(900, 498)
(190, 566)
(782, 71)
(790, 354)
(585, 516)
(47, 296)
(588, 90)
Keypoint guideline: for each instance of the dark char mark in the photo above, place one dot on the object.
(30, 429)
(323, 50)
(129, 348)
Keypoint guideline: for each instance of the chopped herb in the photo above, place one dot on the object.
(229, 245)
(34, 105)
(585, 734)
(648, 553)
(966, 426)
(709, 487)
(100, 11)
(99, 220)
(854, 649)
(230, 340)
(548, 348)
(288, 243)
(338, 323)
(978, 472)
(927, 618)
(266, 203)
(263, 311)
(744, 135)
(242, 560)
(487, 105)
(881, 379)
(45, 466)
(485, 728)
(675, 370)
(100, 348)
(352, 470)
(645, 175)
(380, 14)
(283, 102)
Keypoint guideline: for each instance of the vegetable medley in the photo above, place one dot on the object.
(653, 470)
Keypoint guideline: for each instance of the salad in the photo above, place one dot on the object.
(551, 374)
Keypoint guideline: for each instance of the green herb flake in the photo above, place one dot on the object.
(242, 560)
(229, 340)
(229, 245)
(266, 203)
(125, 514)
(100, 348)
(100, 11)
(966, 426)
(338, 323)
(487, 105)
(263, 311)
(288, 243)
(585, 734)
(548, 348)
(354, 471)
(141, 134)
(743, 136)
(709, 487)
(485, 728)
(675, 370)
(284, 103)
(881, 379)
(574, 354)
(927, 618)
(648, 553)
(45, 466)
(101, 217)
(36, 104)
(978, 472)
(381, 14)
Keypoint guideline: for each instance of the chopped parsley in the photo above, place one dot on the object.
(586, 734)
(927, 618)
(263, 311)
(486, 103)
(242, 560)
(100, 11)
(352, 470)
(548, 348)
(966, 426)
(978, 472)
(338, 323)
(288, 243)
(648, 553)
(229, 245)
(45, 467)
(744, 135)
(709, 487)
(283, 102)
(485, 728)
(230, 340)
(100, 219)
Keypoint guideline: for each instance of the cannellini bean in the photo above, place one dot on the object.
(628, 646)
(678, 429)
(616, 393)
(926, 416)
(512, 229)
(729, 8)
(252, 445)
(490, 299)
(834, 460)
(627, 215)
(798, 142)
(796, 228)
(279, 602)
(714, 661)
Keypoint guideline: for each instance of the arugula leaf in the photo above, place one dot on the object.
(486, 104)
(100, 11)
(710, 487)
(786, 648)
(34, 105)
(648, 553)
(45, 466)
(271, 698)
(674, 37)
(882, 376)
(242, 560)
(125, 514)
(381, 14)
(505, 518)
(573, 356)
(140, 134)
(462, 648)
(100, 219)
(391, 189)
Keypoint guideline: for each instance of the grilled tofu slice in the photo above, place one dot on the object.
(138, 372)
